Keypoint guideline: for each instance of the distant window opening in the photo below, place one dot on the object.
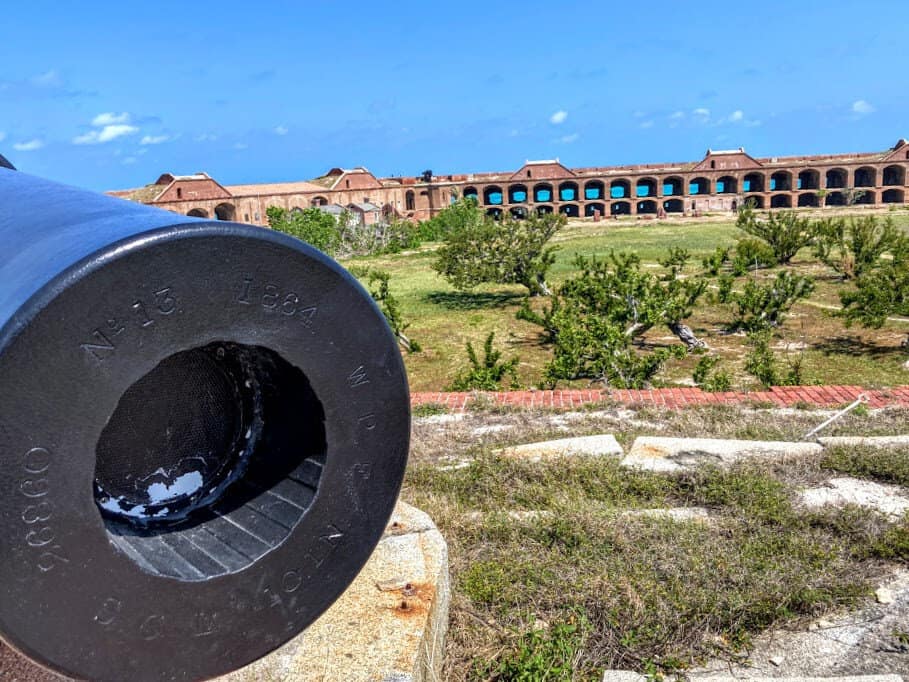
(347, 183)
(409, 201)
(528, 174)
(713, 164)
(179, 192)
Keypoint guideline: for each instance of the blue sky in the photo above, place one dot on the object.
(109, 95)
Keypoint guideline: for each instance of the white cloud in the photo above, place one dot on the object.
(109, 118)
(677, 116)
(862, 107)
(154, 139)
(106, 134)
(568, 139)
(29, 146)
(736, 116)
(646, 124)
(701, 112)
(558, 117)
(281, 130)
(205, 137)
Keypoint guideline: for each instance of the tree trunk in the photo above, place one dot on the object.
(686, 336)
(538, 286)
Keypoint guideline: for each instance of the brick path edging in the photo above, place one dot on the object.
(780, 396)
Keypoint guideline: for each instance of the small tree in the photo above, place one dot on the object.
(309, 224)
(880, 292)
(765, 306)
(479, 249)
(784, 231)
(377, 281)
(486, 374)
(852, 247)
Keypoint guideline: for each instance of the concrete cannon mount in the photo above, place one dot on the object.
(389, 626)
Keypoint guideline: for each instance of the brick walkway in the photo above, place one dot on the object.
(783, 396)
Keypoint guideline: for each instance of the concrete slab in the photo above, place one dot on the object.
(604, 445)
(861, 645)
(865, 441)
(890, 500)
(655, 453)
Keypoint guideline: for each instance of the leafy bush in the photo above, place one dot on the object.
(764, 306)
(486, 374)
(783, 231)
(852, 247)
(714, 263)
(478, 249)
(313, 226)
(752, 254)
(377, 281)
(761, 363)
(707, 379)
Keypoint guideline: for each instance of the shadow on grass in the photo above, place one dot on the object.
(854, 347)
(469, 300)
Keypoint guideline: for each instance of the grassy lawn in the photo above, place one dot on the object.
(443, 319)
(555, 576)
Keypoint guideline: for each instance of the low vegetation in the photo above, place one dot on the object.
(559, 573)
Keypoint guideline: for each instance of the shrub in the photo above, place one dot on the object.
(709, 380)
(852, 247)
(783, 231)
(486, 374)
(313, 226)
(752, 254)
(764, 306)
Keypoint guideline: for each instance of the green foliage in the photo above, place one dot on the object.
(708, 379)
(764, 306)
(377, 281)
(478, 249)
(714, 263)
(463, 215)
(309, 224)
(540, 656)
(599, 312)
(880, 292)
(752, 254)
(852, 247)
(486, 374)
(724, 291)
(784, 231)
(675, 261)
(761, 363)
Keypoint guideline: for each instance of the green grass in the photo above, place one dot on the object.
(444, 320)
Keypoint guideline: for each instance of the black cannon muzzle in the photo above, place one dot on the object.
(203, 431)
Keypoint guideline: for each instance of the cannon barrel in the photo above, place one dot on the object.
(203, 430)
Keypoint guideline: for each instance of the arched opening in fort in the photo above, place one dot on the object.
(835, 178)
(592, 208)
(699, 186)
(808, 179)
(619, 189)
(893, 196)
(894, 175)
(495, 213)
(808, 199)
(470, 193)
(409, 201)
(754, 201)
(727, 185)
(647, 207)
(570, 210)
(781, 201)
(672, 186)
(198, 213)
(542, 193)
(865, 177)
(864, 198)
(492, 196)
(517, 194)
(620, 208)
(543, 210)
(674, 206)
(568, 191)
(781, 181)
(319, 201)
(646, 187)
(835, 199)
(594, 190)
(753, 182)
(226, 212)
(518, 212)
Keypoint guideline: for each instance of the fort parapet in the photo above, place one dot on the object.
(721, 181)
